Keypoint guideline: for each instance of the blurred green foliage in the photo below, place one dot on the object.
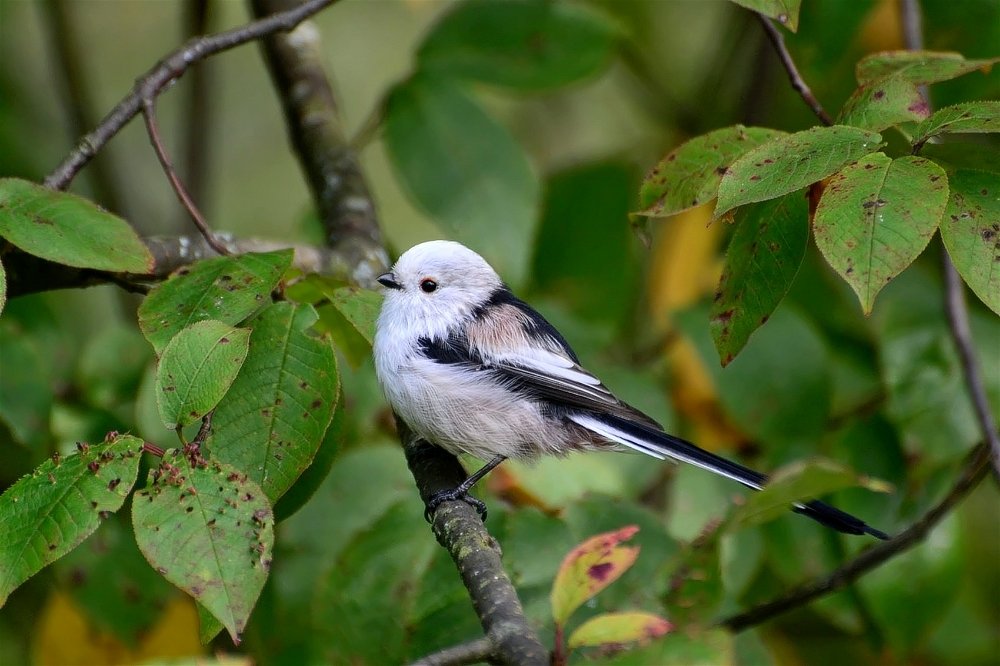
(533, 156)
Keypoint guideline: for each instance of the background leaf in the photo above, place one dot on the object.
(618, 628)
(68, 229)
(876, 216)
(690, 174)
(464, 168)
(228, 289)
(225, 523)
(47, 514)
(589, 568)
(764, 254)
(789, 163)
(785, 12)
(520, 44)
(970, 230)
(272, 421)
(196, 369)
(920, 67)
(359, 307)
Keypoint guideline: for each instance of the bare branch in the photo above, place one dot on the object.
(778, 40)
(343, 201)
(165, 72)
(476, 554)
(972, 473)
(473, 652)
(149, 115)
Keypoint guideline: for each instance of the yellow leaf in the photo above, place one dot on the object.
(589, 568)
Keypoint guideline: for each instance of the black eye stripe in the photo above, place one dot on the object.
(428, 285)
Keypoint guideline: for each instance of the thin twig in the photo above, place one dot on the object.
(778, 40)
(972, 473)
(149, 116)
(165, 72)
(473, 652)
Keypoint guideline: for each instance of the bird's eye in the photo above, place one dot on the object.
(428, 285)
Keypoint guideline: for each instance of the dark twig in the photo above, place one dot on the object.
(79, 102)
(778, 40)
(476, 554)
(197, 110)
(956, 307)
(165, 72)
(972, 473)
(473, 652)
(149, 116)
(344, 204)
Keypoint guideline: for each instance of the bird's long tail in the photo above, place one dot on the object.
(659, 444)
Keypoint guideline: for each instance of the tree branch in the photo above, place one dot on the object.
(165, 72)
(956, 307)
(343, 201)
(778, 40)
(473, 652)
(972, 473)
(476, 554)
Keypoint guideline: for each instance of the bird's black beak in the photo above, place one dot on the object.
(389, 280)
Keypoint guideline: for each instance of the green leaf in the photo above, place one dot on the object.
(359, 307)
(464, 169)
(969, 118)
(920, 67)
(272, 421)
(26, 392)
(589, 568)
(692, 647)
(799, 481)
(111, 366)
(884, 102)
(224, 522)
(764, 255)
(876, 216)
(785, 12)
(196, 369)
(789, 163)
(519, 44)
(68, 229)
(618, 628)
(690, 174)
(50, 512)
(970, 230)
(228, 289)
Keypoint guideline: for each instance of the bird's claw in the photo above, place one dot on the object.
(452, 495)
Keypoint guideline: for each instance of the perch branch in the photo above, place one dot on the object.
(778, 41)
(163, 74)
(345, 206)
(476, 554)
(149, 116)
(972, 473)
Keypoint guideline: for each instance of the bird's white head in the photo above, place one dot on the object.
(434, 286)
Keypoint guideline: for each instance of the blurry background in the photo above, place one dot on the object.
(357, 576)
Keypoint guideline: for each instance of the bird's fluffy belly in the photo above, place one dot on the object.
(465, 412)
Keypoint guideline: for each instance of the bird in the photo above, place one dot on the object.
(475, 370)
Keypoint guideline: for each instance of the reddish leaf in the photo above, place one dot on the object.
(618, 628)
(589, 568)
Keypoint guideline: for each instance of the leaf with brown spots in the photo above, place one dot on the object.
(50, 512)
(876, 216)
(67, 229)
(970, 230)
(764, 255)
(614, 629)
(273, 419)
(227, 539)
(920, 67)
(884, 102)
(589, 568)
(968, 118)
(690, 174)
(196, 369)
(789, 163)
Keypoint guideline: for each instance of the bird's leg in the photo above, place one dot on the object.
(461, 491)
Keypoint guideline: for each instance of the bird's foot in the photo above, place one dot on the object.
(454, 494)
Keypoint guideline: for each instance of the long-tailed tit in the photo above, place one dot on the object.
(473, 369)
